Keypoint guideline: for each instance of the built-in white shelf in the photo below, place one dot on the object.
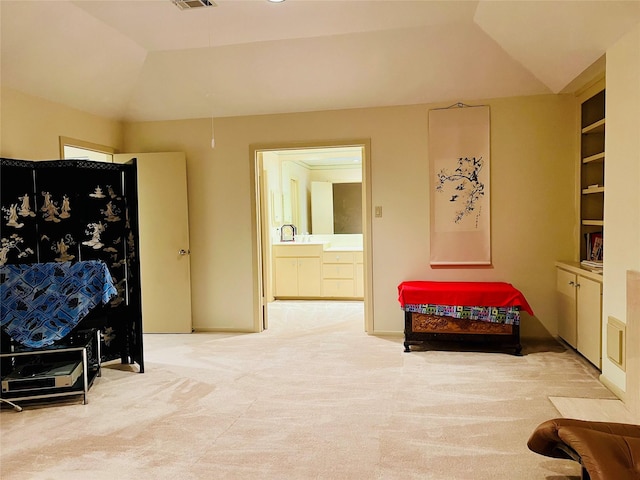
(596, 127)
(594, 223)
(594, 158)
(588, 191)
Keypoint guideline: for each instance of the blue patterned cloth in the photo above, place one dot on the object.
(41, 303)
(506, 315)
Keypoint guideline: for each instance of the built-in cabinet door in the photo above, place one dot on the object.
(309, 278)
(589, 326)
(286, 277)
(566, 299)
(164, 241)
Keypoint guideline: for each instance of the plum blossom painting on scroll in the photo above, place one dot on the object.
(460, 213)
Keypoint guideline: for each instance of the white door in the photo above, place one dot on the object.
(164, 241)
(265, 287)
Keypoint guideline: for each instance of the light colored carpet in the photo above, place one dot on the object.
(313, 397)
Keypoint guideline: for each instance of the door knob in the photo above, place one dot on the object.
(182, 251)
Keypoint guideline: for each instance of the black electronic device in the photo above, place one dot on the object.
(37, 375)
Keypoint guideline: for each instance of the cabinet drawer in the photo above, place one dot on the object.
(337, 257)
(337, 288)
(565, 283)
(337, 270)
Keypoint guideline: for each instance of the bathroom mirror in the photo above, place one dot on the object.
(336, 208)
(347, 207)
(291, 175)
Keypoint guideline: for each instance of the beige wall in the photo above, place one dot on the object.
(622, 174)
(31, 127)
(532, 182)
(533, 200)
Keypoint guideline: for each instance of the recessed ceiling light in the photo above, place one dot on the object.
(276, 1)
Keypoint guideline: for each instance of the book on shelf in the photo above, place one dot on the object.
(595, 243)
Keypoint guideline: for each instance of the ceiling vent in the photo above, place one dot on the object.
(189, 4)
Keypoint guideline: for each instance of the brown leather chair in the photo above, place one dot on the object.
(606, 451)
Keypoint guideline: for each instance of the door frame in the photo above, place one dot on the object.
(259, 243)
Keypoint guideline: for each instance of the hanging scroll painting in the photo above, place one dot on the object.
(459, 148)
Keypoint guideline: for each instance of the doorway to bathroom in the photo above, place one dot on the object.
(312, 227)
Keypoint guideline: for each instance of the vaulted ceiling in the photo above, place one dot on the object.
(143, 60)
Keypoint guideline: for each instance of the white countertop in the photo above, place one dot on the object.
(300, 243)
(326, 246)
(575, 267)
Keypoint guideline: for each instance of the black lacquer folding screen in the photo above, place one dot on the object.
(73, 210)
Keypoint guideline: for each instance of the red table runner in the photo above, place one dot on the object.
(484, 294)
